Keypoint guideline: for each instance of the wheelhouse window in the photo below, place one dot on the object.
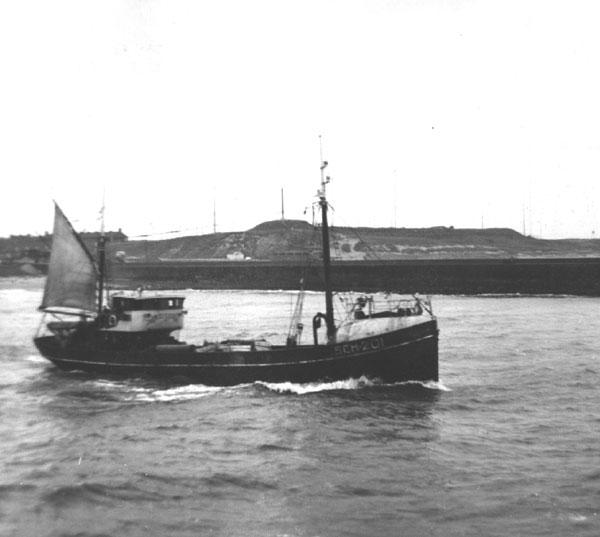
(133, 304)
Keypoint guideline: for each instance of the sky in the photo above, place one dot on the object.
(459, 113)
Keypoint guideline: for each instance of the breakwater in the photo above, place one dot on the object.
(575, 276)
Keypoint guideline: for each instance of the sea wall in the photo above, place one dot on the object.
(576, 276)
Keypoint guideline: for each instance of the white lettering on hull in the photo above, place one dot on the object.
(366, 345)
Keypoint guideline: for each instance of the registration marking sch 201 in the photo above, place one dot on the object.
(371, 344)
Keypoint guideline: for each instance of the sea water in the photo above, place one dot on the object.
(507, 443)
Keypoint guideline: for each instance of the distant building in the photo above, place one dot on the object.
(236, 256)
(111, 236)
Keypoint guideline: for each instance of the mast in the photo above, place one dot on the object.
(101, 247)
(326, 254)
(101, 269)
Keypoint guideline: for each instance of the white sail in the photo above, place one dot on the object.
(72, 274)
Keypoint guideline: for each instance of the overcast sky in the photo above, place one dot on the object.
(433, 112)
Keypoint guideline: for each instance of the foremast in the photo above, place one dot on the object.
(101, 246)
(101, 250)
(326, 253)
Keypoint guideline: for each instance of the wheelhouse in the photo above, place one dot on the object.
(144, 313)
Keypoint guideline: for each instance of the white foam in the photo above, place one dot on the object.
(36, 358)
(104, 383)
(348, 384)
(133, 393)
(180, 393)
(311, 387)
(430, 384)
(577, 518)
(127, 391)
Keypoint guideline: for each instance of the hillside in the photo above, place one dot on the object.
(297, 240)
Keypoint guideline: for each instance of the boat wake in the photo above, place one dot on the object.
(312, 387)
(430, 384)
(36, 358)
(129, 392)
(348, 384)
(179, 393)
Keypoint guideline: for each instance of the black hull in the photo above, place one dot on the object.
(407, 354)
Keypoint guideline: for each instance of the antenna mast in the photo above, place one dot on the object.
(395, 199)
(214, 215)
(102, 210)
(326, 253)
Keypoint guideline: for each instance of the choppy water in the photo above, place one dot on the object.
(506, 444)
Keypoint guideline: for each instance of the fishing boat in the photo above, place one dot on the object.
(131, 334)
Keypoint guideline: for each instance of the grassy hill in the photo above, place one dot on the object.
(298, 240)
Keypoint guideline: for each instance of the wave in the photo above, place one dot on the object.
(513, 295)
(348, 384)
(90, 395)
(95, 493)
(179, 393)
(312, 387)
(577, 518)
(7, 489)
(429, 384)
(134, 391)
(274, 447)
(129, 391)
(36, 359)
(221, 479)
(196, 391)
